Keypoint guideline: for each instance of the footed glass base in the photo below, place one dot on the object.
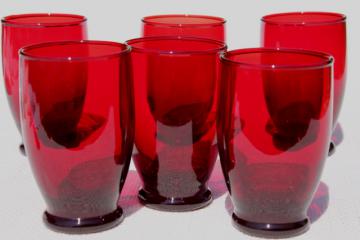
(175, 204)
(269, 230)
(22, 149)
(85, 225)
(331, 149)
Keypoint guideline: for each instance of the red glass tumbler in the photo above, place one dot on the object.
(318, 31)
(77, 124)
(199, 26)
(175, 81)
(26, 29)
(274, 126)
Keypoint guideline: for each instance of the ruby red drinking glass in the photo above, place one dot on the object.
(26, 29)
(274, 126)
(78, 129)
(318, 31)
(175, 80)
(199, 26)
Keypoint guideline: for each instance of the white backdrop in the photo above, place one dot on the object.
(21, 204)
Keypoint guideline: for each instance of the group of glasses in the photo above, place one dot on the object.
(181, 99)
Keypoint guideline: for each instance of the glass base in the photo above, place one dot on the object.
(22, 149)
(268, 230)
(331, 149)
(83, 226)
(175, 204)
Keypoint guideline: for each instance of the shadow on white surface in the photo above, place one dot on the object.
(129, 201)
(217, 183)
(338, 135)
(320, 203)
(317, 208)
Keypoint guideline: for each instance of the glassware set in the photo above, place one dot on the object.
(180, 99)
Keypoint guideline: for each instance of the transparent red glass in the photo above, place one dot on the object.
(77, 122)
(274, 126)
(26, 29)
(318, 31)
(199, 26)
(175, 81)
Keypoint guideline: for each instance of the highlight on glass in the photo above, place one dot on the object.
(77, 122)
(274, 127)
(175, 81)
(26, 29)
(200, 26)
(318, 31)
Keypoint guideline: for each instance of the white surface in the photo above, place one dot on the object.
(21, 204)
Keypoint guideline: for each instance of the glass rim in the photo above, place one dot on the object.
(327, 59)
(221, 46)
(340, 18)
(9, 20)
(221, 21)
(23, 52)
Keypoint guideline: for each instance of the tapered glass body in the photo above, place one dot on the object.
(175, 85)
(77, 125)
(26, 29)
(274, 125)
(318, 31)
